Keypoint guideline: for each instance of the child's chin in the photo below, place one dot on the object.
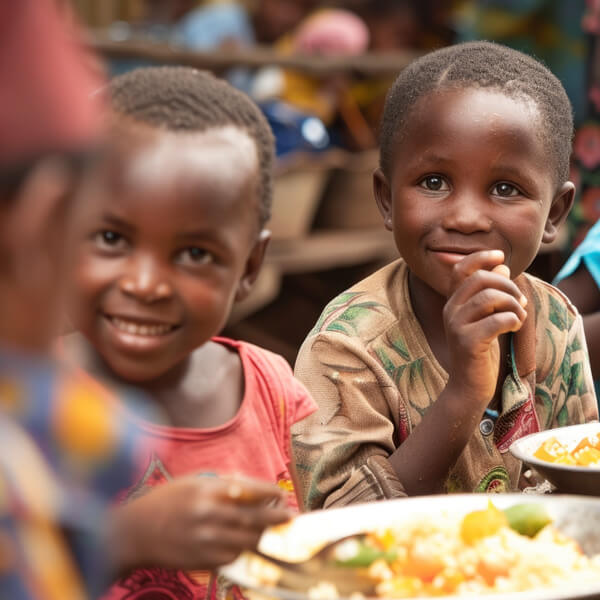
(136, 371)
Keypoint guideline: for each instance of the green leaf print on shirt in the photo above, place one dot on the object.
(558, 314)
(545, 397)
(399, 345)
(562, 418)
(341, 301)
(349, 318)
(577, 383)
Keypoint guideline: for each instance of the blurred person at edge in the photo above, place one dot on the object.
(67, 442)
(64, 451)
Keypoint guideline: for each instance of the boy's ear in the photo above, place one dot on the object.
(383, 197)
(561, 205)
(253, 265)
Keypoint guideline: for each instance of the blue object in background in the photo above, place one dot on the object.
(294, 130)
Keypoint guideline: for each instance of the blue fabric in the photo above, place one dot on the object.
(209, 26)
(588, 252)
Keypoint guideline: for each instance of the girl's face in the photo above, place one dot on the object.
(470, 173)
(167, 240)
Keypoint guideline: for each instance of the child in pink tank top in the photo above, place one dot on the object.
(170, 235)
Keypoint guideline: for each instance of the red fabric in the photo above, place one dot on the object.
(255, 443)
(46, 80)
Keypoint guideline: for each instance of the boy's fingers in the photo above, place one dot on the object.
(489, 301)
(481, 280)
(485, 260)
(488, 329)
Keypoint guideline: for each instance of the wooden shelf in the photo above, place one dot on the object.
(369, 64)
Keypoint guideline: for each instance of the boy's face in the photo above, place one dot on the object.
(470, 173)
(167, 239)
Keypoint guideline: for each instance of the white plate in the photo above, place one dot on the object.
(567, 478)
(577, 516)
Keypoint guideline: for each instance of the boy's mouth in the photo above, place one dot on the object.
(453, 255)
(140, 327)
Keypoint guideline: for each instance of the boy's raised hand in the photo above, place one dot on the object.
(483, 304)
(194, 523)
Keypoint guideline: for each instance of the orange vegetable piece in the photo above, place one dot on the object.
(587, 456)
(591, 441)
(550, 450)
(448, 580)
(482, 523)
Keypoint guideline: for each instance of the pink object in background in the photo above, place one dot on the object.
(332, 31)
(46, 80)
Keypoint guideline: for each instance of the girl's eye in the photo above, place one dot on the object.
(109, 239)
(195, 256)
(505, 190)
(434, 183)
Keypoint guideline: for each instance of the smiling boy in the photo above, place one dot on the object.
(170, 234)
(427, 370)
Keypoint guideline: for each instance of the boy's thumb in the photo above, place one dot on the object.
(502, 270)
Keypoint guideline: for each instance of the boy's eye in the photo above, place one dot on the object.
(434, 183)
(109, 239)
(195, 256)
(505, 190)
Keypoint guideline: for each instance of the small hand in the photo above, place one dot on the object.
(483, 304)
(195, 522)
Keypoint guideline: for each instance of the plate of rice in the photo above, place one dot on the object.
(511, 546)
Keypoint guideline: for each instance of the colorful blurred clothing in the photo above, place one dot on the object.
(550, 30)
(368, 364)
(67, 449)
(586, 146)
(255, 443)
(587, 253)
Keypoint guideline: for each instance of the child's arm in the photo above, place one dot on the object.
(484, 304)
(343, 451)
(194, 523)
(583, 291)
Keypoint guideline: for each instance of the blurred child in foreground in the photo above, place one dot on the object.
(64, 451)
(69, 443)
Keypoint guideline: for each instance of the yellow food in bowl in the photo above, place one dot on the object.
(585, 454)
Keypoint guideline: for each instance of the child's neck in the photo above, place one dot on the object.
(206, 391)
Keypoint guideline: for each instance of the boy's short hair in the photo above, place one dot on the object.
(185, 99)
(483, 65)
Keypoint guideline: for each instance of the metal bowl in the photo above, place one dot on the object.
(576, 516)
(566, 478)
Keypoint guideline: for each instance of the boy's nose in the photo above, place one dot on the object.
(145, 281)
(467, 214)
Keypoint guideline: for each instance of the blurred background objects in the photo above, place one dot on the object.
(320, 72)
